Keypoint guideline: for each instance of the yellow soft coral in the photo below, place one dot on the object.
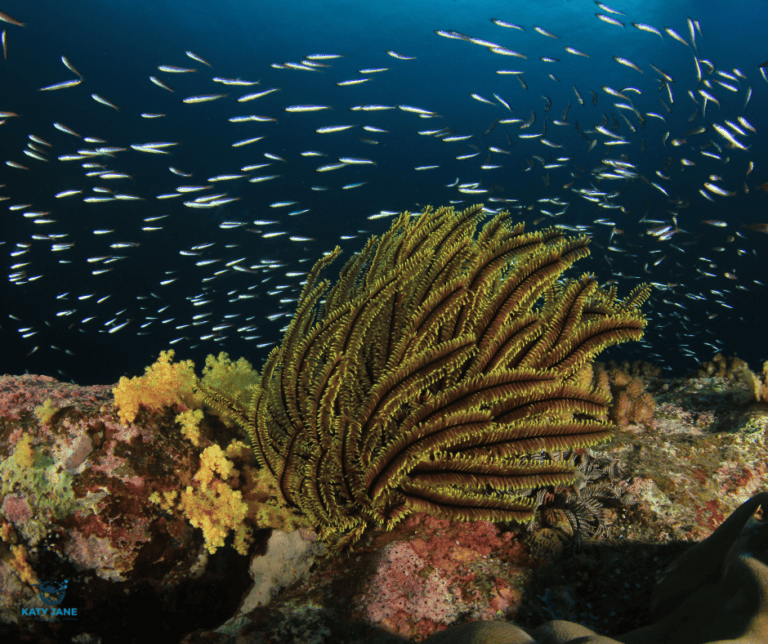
(6, 531)
(214, 461)
(164, 500)
(20, 563)
(190, 425)
(217, 510)
(215, 506)
(230, 377)
(163, 384)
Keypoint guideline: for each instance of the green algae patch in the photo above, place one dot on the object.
(35, 474)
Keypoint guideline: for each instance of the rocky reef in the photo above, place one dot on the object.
(662, 537)
(714, 592)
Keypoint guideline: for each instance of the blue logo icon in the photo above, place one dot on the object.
(51, 593)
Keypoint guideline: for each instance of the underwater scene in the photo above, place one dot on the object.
(171, 171)
(437, 321)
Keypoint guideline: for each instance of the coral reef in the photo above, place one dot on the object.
(442, 355)
(659, 488)
(721, 366)
(75, 490)
(441, 391)
(570, 515)
(736, 369)
(77, 505)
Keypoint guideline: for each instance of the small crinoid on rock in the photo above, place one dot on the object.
(569, 515)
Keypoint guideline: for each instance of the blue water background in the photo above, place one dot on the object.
(118, 45)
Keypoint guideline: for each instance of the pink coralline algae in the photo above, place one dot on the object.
(403, 593)
(20, 394)
(16, 509)
(422, 584)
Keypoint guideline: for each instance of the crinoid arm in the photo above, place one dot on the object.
(442, 355)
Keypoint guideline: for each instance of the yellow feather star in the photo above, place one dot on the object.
(441, 356)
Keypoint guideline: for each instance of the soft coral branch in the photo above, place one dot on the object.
(164, 384)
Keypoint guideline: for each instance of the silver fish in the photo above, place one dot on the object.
(307, 108)
(627, 63)
(609, 20)
(203, 98)
(394, 54)
(648, 28)
(62, 85)
(172, 69)
(509, 25)
(676, 36)
(608, 9)
(197, 58)
(544, 32)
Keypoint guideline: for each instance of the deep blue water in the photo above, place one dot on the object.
(117, 46)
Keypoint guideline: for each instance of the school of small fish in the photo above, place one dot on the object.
(529, 136)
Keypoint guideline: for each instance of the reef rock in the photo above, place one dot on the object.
(76, 518)
(716, 592)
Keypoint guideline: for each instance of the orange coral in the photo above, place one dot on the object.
(631, 402)
(6, 531)
(735, 368)
(20, 563)
(163, 384)
(16, 556)
(731, 368)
